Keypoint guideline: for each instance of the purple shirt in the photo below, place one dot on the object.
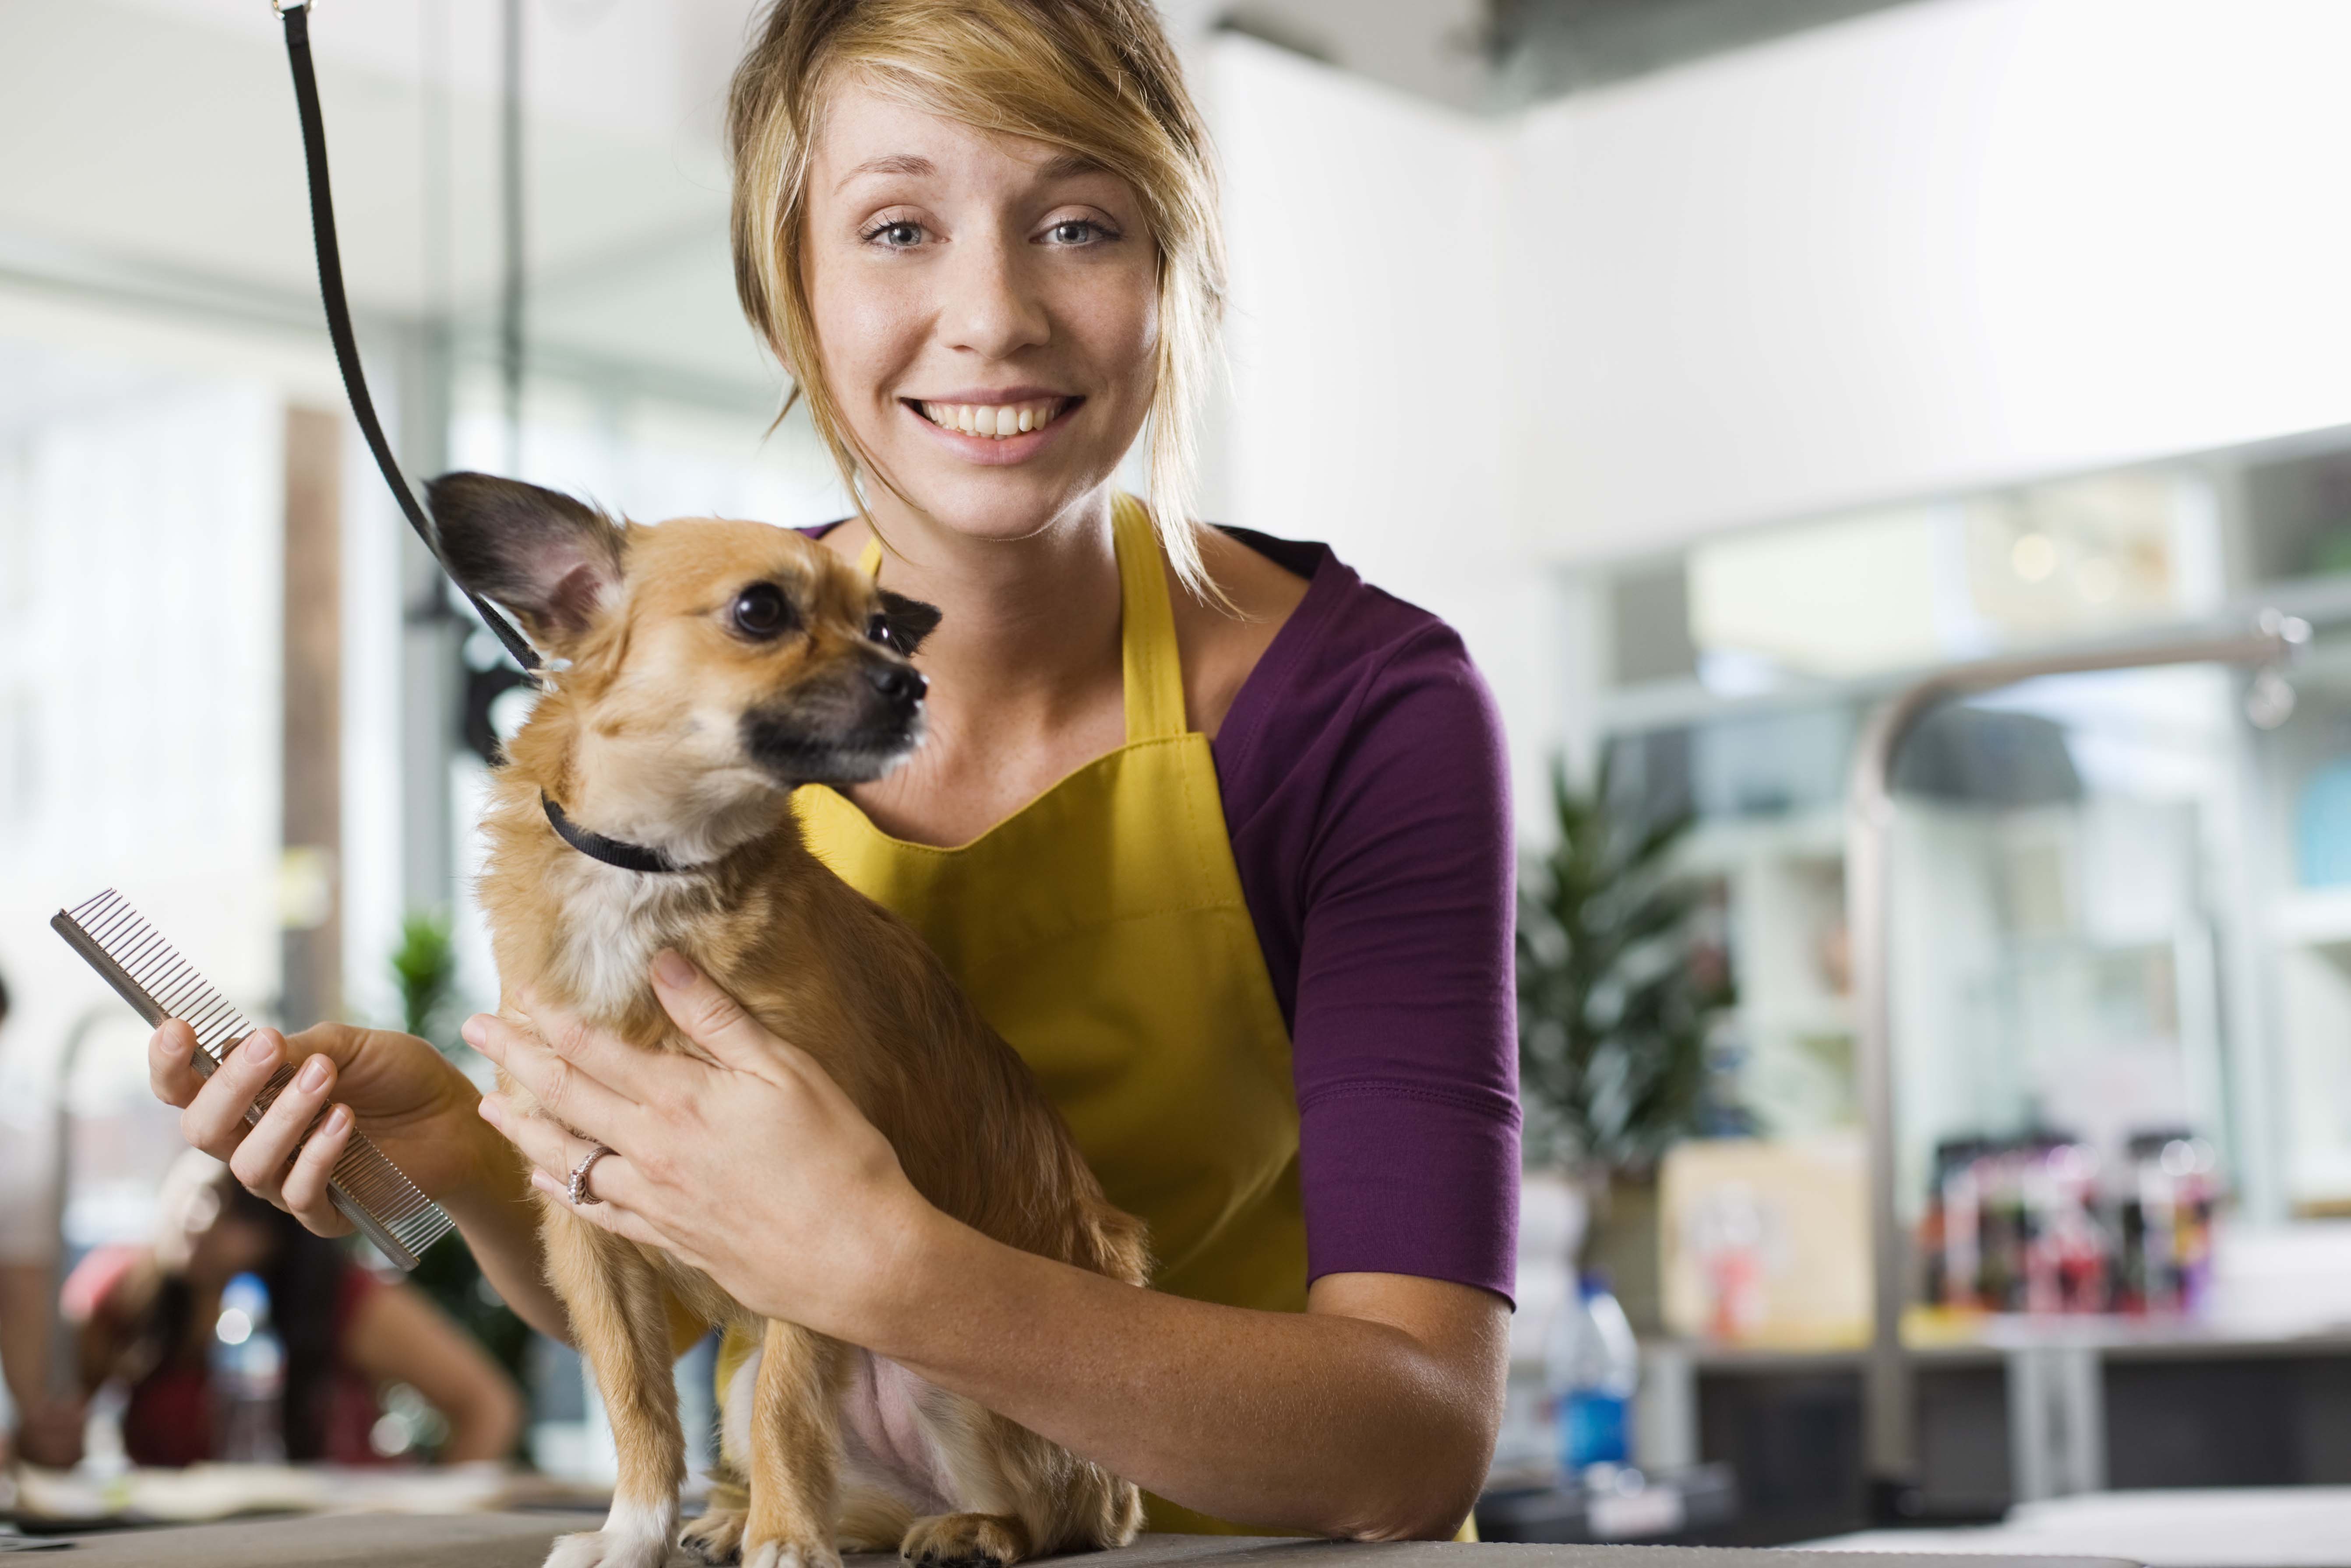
(1367, 794)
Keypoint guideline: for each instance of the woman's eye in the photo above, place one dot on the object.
(1074, 231)
(761, 610)
(899, 235)
(878, 630)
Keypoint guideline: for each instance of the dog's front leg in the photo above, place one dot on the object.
(621, 1322)
(795, 1450)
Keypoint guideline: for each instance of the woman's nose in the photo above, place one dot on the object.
(995, 309)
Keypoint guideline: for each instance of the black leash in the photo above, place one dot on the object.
(297, 16)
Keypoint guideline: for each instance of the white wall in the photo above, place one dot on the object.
(1370, 359)
(1952, 245)
(1949, 245)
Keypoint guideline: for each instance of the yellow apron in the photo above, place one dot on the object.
(1101, 929)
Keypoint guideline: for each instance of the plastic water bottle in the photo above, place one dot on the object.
(1592, 1365)
(248, 1366)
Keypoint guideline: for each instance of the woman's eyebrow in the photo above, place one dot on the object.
(1063, 166)
(893, 163)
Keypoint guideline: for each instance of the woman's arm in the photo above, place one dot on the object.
(407, 1096)
(1371, 1415)
(399, 1336)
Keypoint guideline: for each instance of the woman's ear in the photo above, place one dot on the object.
(909, 620)
(550, 560)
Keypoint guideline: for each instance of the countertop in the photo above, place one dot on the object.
(520, 1540)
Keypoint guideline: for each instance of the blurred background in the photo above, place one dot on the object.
(1721, 368)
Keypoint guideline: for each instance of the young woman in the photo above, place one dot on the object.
(1215, 834)
(146, 1316)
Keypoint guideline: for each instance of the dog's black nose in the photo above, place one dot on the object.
(899, 683)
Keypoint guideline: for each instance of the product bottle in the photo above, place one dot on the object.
(1592, 1365)
(248, 1366)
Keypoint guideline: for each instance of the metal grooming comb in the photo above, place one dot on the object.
(140, 965)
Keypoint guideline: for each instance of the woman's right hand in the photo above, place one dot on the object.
(407, 1096)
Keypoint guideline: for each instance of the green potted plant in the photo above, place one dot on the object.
(1620, 990)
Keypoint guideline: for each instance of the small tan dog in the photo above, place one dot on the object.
(712, 667)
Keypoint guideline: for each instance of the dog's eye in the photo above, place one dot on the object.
(761, 610)
(878, 628)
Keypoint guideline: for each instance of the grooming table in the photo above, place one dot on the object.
(520, 1540)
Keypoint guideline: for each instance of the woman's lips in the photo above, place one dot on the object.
(970, 428)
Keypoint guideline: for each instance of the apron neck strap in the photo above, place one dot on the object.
(1155, 674)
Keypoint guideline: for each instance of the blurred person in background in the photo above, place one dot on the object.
(48, 1428)
(147, 1319)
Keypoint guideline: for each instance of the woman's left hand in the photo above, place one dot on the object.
(749, 1162)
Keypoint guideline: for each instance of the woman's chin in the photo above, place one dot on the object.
(1002, 503)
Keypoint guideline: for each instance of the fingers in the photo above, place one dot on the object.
(557, 1076)
(171, 1064)
(710, 1018)
(214, 1120)
(263, 1159)
(554, 1153)
(618, 1219)
(552, 1148)
(303, 1193)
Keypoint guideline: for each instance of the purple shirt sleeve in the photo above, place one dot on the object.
(1367, 794)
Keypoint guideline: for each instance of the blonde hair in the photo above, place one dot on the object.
(1094, 76)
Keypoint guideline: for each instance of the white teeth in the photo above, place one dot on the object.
(994, 421)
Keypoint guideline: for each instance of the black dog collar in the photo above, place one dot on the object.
(597, 847)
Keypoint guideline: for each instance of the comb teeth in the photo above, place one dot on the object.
(370, 1191)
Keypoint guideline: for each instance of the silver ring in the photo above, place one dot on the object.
(579, 1194)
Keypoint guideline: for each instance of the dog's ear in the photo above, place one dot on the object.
(548, 558)
(909, 620)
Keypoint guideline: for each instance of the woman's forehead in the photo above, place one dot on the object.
(869, 134)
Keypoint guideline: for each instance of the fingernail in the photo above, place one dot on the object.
(672, 969)
(262, 1047)
(492, 1112)
(474, 1029)
(172, 1046)
(314, 1074)
(546, 1183)
(339, 1118)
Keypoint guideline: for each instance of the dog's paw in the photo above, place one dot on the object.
(716, 1537)
(632, 1538)
(790, 1555)
(964, 1540)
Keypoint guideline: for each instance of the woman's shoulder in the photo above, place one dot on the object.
(1352, 666)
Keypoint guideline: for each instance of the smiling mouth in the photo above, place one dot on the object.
(995, 421)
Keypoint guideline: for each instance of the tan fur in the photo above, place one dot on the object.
(642, 741)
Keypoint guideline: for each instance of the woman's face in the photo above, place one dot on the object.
(965, 284)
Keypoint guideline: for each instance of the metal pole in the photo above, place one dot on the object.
(1889, 1436)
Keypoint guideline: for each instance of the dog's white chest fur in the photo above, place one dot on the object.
(611, 923)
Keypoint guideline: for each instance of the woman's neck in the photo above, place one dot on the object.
(1032, 623)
